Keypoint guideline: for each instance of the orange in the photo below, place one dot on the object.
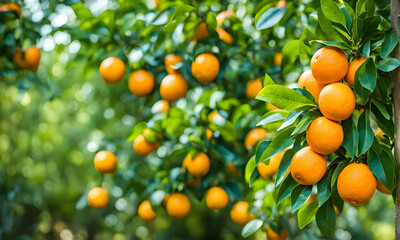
(19, 59)
(356, 184)
(337, 211)
(271, 107)
(112, 70)
(232, 169)
(7, 7)
(141, 83)
(308, 167)
(329, 65)
(201, 32)
(379, 133)
(253, 137)
(266, 171)
(212, 115)
(353, 66)
(146, 212)
(240, 213)
(281, 4)
(253, 87)
(278, 59)
(164, 201)
(307, 80)
(324, 136)
(217, 198)
(98, 198)
(32, 56)
(171, 59)
(173, 87)
(224, 14)
(197, 166)
(178, 205)
(209, 134)
(144, 147)
(224, 35)
(382, 188)
(160, 106)
(271, 235)
(337, 101)
(105, 162)
(205, 67)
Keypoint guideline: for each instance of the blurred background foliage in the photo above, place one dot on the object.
(53, 121)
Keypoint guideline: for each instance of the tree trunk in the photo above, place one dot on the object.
(396, 97)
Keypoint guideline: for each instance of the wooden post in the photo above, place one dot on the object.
(394, 13)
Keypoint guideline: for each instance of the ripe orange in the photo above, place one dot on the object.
(7, 7)
(171, 59)
(253, 87)
(217, 198)
(240, 213)
(197, 166)
(105, 162)
(112, 70)
(19, 60)
(144, 147)
(224, 35)
(324, 136)
(382, 188)
(266, 171)
(329, 65)
(232, 169)
(141, 83)
(271, 235)
(353, 66)
(32, 56)
(212, 115)
(205, 67)
(254, 136)
(337, 101)
(281, 4)
(379, 133)
(201, 32)
(308, 167)
(164, 201)
(356, 184)
(209, 134)
(178, 205)
(146, 212)
(278, 59)
(224, 14)
(307, 80)
(98, 198)
(173, 87)
(160, 106)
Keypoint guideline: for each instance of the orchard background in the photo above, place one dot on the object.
(65, 104)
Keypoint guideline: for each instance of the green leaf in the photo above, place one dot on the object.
(358, 88)
(326, 218)
(305, 50)
(389, 43)
(299, 196)
(347, 15)
(283, 166)
(290, 119)
(375, 166)
(367, 74)
(341, 45)
(333, 12)
(305, 121)
(366, 135)
(157, 197)
(137, 130)
(366, 49)
(324, 188)
(389, 166)
(350, 141)
(306, 213)
(386, 125)
(388, 64)
(250, 174)
(337, 171)
(270, 17)
(280, 142)
(251, 227)
(273, 116)
(284, 98)
(381, 108)
(268, 80)
(286, 188)
(260, 149)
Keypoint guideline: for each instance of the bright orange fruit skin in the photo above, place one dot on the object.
(329, 65)
(224, 14)
(307, 80)
(253, 87)
(146, 212)
(112, 70)
(171, 59)
(353, 66)
(271, 235)
(382, 188)
(199, 165)
(98, 198)
(144, 147)
(224, 35)
(217, 198)
(178, 205)
(141, 83)
(7, 7)
(205, 68)
(105, 162)
(254, 136)
(308, 167)
(266, 171)
(201, 32)
(356, 184)
(324, 136)
(173, 87)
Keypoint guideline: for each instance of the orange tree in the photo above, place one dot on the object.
(338, 137)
